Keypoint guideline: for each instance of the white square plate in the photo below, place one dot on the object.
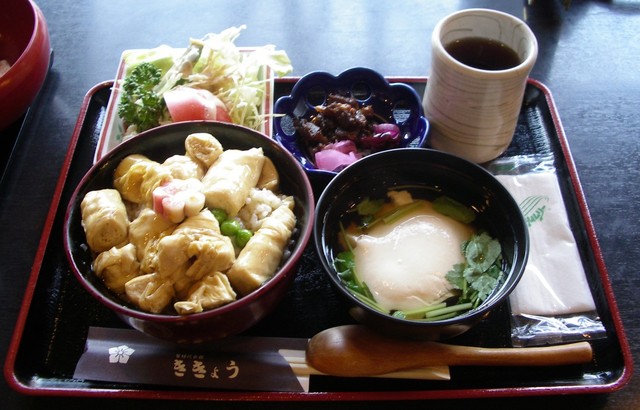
(113, 129)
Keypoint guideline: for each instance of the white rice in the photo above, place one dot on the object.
(259, 204)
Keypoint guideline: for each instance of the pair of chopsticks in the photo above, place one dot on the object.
(298, 363)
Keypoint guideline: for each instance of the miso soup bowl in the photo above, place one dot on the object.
(25, 45)
(430, 173)
(235, 317)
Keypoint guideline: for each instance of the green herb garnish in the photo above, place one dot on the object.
(393, 214)
(481, 272)
(345, 264)
(454, 209)
(369, 206)
(139, 104)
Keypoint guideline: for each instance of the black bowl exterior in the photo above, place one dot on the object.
(431, 173)
(158, 144)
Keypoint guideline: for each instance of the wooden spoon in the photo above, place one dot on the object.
(355, 350)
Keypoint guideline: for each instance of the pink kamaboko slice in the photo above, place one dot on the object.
(178, 199)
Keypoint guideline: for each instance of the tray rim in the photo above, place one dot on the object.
(155, 393)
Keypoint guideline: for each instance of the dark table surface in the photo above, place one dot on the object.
(589, 58)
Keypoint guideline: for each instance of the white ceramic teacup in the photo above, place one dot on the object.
(473, 112)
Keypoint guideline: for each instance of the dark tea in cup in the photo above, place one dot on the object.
(483, 53)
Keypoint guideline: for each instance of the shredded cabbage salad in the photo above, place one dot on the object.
(216, 64)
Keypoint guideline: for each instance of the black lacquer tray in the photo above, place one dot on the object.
(56, 313)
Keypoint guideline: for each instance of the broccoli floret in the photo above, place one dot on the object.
(139, 104)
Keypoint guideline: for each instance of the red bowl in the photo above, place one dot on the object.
(158, 144)
(25, 44)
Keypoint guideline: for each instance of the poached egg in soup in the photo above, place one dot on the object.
(404, 263)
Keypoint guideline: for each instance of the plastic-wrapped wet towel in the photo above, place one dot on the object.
(554, 282)
(552, 302)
